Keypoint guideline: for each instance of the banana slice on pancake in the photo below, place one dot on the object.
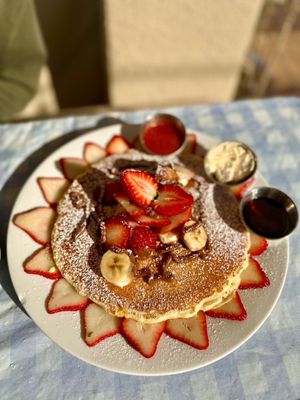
(116, 268)
(195, 236)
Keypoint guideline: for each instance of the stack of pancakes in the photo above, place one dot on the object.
(200, 280)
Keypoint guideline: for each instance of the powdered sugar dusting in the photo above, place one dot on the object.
(196, 279)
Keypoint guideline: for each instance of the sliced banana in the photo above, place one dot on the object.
(168, 237)
(116, 268)
(195, 239)
(188, 224)
(184, 174)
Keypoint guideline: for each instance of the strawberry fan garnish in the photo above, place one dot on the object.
(41, 263)
(37, 222)
(53, 189)
(93, 153)
(63, 297)
(98, 324)
(234, 309)
(148, 205)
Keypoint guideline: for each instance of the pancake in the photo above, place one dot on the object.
(200, 280)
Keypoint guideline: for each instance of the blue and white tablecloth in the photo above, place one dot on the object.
(266, 367)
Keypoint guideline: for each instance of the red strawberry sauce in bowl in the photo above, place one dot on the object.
(163, 134)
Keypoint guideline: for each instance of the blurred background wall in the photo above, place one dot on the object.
(183, 51)
(126, 54)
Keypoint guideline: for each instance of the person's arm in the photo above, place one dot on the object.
(22, 54)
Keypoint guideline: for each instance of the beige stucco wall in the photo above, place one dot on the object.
(176, 51)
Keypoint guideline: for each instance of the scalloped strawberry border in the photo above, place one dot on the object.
(90, 151)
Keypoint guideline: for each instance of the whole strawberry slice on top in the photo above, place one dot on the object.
(171, 200)
(140, 186)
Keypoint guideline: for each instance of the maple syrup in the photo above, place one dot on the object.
(267, 217)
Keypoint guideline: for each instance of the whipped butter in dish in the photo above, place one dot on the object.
(230, 163)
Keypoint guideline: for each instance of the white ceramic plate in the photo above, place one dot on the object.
(114, 353)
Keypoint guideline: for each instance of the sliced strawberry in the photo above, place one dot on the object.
(257, 245)
(37, 223)
(177, 220)
(140, 186)
(72, 167)
(53, 189)
(98, 324)
(126, 218)
(153, 220)
(171, 200)
(192, 331)
(143, 337)
(41, 263)
(111, 188)
(127, 204)
(253, 276)
(117, 233)
(93, 153)
(142, 238)
(191, 144)
(117, 145)
(234, 309)
(240, 190)
(63, 297)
